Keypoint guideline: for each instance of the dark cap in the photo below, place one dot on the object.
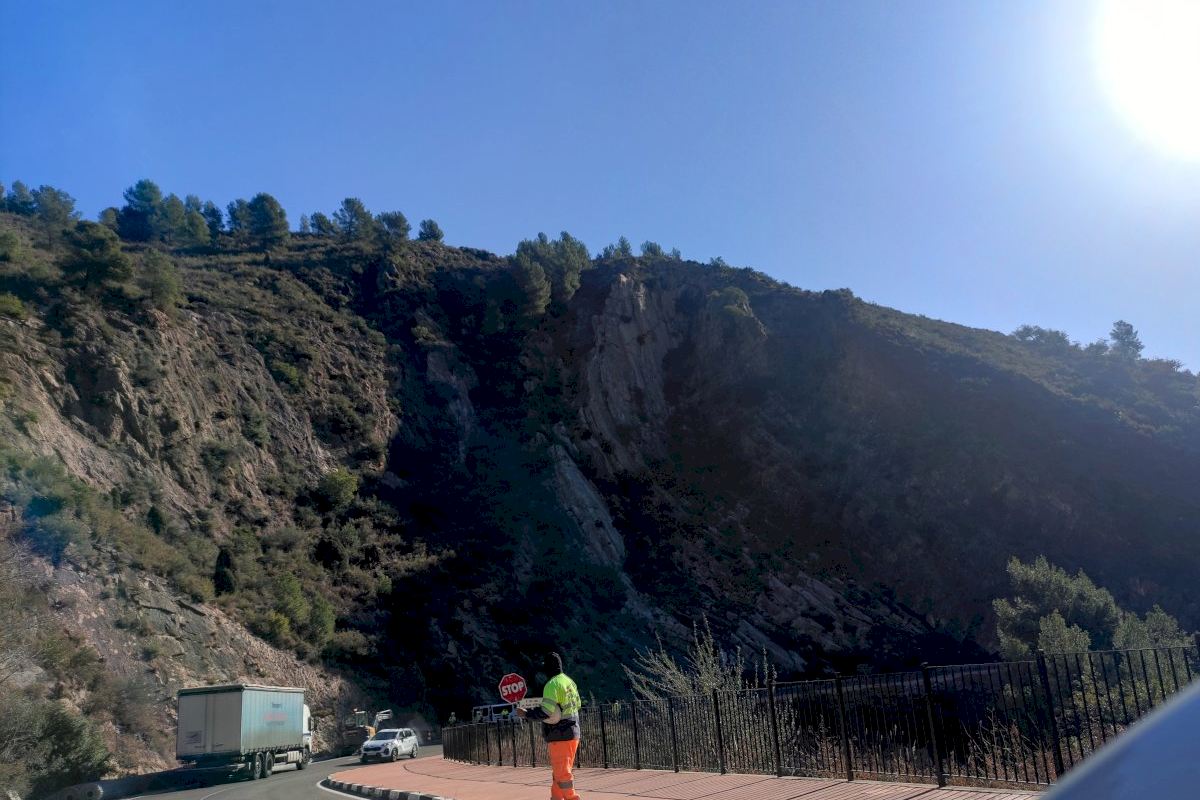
(552, 664)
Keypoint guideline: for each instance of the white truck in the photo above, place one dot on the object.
(246, 727)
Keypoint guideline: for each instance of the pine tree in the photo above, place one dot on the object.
(195, 230)
(322, 225)
(139, 220)
(214, 219)
(1125, 341)
(267, 220)
(20, 200)
(95, 257)
(430, 231)
(353, 220)
(55, 211)
(394, 227)
(238, 213)
(109, 218)
(172, 218)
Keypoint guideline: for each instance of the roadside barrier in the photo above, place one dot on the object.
(1013, 723)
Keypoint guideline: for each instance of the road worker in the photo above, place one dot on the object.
(559, 714)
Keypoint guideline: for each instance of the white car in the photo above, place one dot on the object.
(389, 745)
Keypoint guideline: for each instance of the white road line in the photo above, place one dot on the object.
(219, 791)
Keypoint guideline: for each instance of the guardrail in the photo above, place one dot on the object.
(1013, 723)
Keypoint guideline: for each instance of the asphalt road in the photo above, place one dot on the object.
(286, 783)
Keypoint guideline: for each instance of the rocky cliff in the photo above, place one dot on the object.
(375, 472)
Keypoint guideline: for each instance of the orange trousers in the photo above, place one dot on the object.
(562, 759)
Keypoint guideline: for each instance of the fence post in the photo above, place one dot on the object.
(513, 728)
(1044, 676)
(774, 727)
(499, 745)
(935, 745)
(674, 741)
(532, 748)
(843, 721)
(720, 733)
(637, 750)
(487, 743)
(603, 738)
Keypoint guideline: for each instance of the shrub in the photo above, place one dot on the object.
(197, 587)
(224, 573)
(275, 628)
(11, 306)
(44, 746)
(321, 622)
(287, 374)
(10, 246)
(53, 534)
(254, 428)
(218, 457)
(338, 488)
(348, 646)
(424, 334)
(159, 279)
(340, 419)
(290, 600)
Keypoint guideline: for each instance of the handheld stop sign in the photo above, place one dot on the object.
(513, 688)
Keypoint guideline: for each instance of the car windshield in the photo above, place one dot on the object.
(384, 735)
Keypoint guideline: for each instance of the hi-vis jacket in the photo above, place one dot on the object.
(559, 711)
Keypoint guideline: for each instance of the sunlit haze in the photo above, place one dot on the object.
(1148, 57)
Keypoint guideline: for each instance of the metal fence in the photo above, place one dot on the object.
(1014, 723)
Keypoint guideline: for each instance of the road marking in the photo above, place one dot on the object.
(219, 791)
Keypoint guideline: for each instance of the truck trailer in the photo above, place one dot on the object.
(246, 727)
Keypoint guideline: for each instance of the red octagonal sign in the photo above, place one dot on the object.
(513, 688)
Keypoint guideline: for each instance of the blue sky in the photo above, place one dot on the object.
(958, 160)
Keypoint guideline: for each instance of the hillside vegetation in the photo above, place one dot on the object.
(375, 452)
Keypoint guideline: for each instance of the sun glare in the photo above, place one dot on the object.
(1148, 57)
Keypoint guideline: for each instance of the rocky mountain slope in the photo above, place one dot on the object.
(312, 463)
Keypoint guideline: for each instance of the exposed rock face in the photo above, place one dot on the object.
(833, 483)
(586, 507)
(655, 352)
(622, 399)
(141, 628)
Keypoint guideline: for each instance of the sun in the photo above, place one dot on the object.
(1148, 57)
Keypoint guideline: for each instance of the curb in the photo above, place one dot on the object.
(378, 792)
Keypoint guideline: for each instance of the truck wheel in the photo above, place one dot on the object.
(256, 767)
(305, 757)
(269, 766)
